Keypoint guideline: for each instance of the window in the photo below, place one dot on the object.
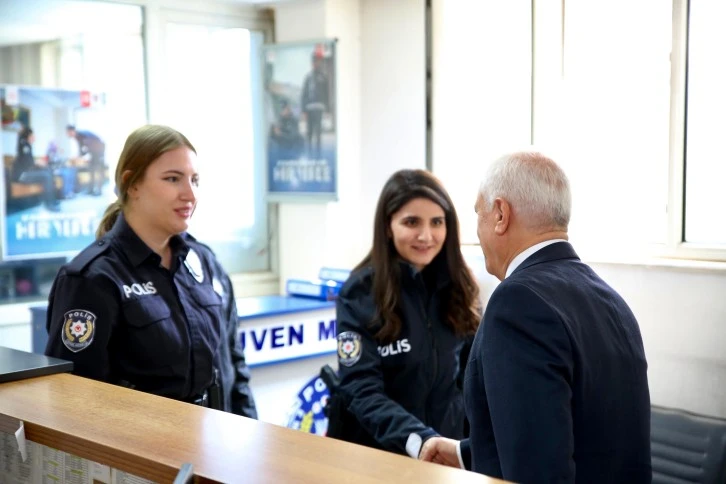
(705, 169)
(614, 121)
(212, 91)
(481, 93)
(69, 45)
(100, 46)
(627, 96)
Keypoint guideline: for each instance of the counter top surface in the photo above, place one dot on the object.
(152, 437)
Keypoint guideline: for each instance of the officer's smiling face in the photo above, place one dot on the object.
(164, 199)
(418, 231)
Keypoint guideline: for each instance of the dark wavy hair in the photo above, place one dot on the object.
(462, 306)
(143, 146)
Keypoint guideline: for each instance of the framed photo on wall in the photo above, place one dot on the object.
(300, 120)
(54, 186)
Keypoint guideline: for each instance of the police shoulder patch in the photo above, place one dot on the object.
(349, 348)
(79, 327)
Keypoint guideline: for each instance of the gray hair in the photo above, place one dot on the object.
(534, 185)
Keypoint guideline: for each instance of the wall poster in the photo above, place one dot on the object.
(55, 182)
(300, 117)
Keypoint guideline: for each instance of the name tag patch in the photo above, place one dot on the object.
(139, 289)
(400, 346)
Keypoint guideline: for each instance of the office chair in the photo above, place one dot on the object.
(686, 447)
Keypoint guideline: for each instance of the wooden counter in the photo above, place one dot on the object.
(152, 437)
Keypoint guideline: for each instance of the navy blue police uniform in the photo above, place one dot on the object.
(124, 319)
(235, 377)
(409, 386)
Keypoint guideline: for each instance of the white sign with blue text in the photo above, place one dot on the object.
(288, 337)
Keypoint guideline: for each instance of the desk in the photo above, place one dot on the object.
(152, 437)
(16, 365)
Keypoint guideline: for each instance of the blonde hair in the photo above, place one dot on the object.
(143, 146)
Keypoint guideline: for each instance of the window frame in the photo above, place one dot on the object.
(156, 16)
(168, 18)
(213, 13)
(549, 40)
(677, 247)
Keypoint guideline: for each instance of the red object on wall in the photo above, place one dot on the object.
(85, 99)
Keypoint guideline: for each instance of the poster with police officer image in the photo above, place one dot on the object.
(55, 182)
(299, 82)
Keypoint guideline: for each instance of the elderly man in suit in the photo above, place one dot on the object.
(556, 387)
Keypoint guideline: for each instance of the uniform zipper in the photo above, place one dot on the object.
(434, 349)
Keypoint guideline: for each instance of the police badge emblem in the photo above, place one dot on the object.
(79, 327)
(194, 266)
(349, 348)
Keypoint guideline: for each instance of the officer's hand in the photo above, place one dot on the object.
(440, 450)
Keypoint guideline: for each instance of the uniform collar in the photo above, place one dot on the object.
(436, 272)
(135, 248)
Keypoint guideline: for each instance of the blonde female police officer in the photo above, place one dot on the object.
(147, 306)
(403, 319)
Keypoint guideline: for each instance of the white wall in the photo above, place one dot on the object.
(312, 235)
(381, 112)
(682, 316)
(393, 96)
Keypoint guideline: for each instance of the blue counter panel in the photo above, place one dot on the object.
(266, 306)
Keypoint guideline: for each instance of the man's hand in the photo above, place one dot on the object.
(440, 450)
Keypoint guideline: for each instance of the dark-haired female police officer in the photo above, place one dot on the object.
(147, 306)
(404, 318)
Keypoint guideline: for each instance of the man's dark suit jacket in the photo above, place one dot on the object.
(556, 386)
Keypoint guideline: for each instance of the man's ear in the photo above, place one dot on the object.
(503, 212)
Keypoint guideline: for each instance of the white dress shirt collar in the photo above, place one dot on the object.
(522, 256)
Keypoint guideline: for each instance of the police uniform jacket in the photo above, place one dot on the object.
(407, 386)
(234, 378)
(122, 318)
